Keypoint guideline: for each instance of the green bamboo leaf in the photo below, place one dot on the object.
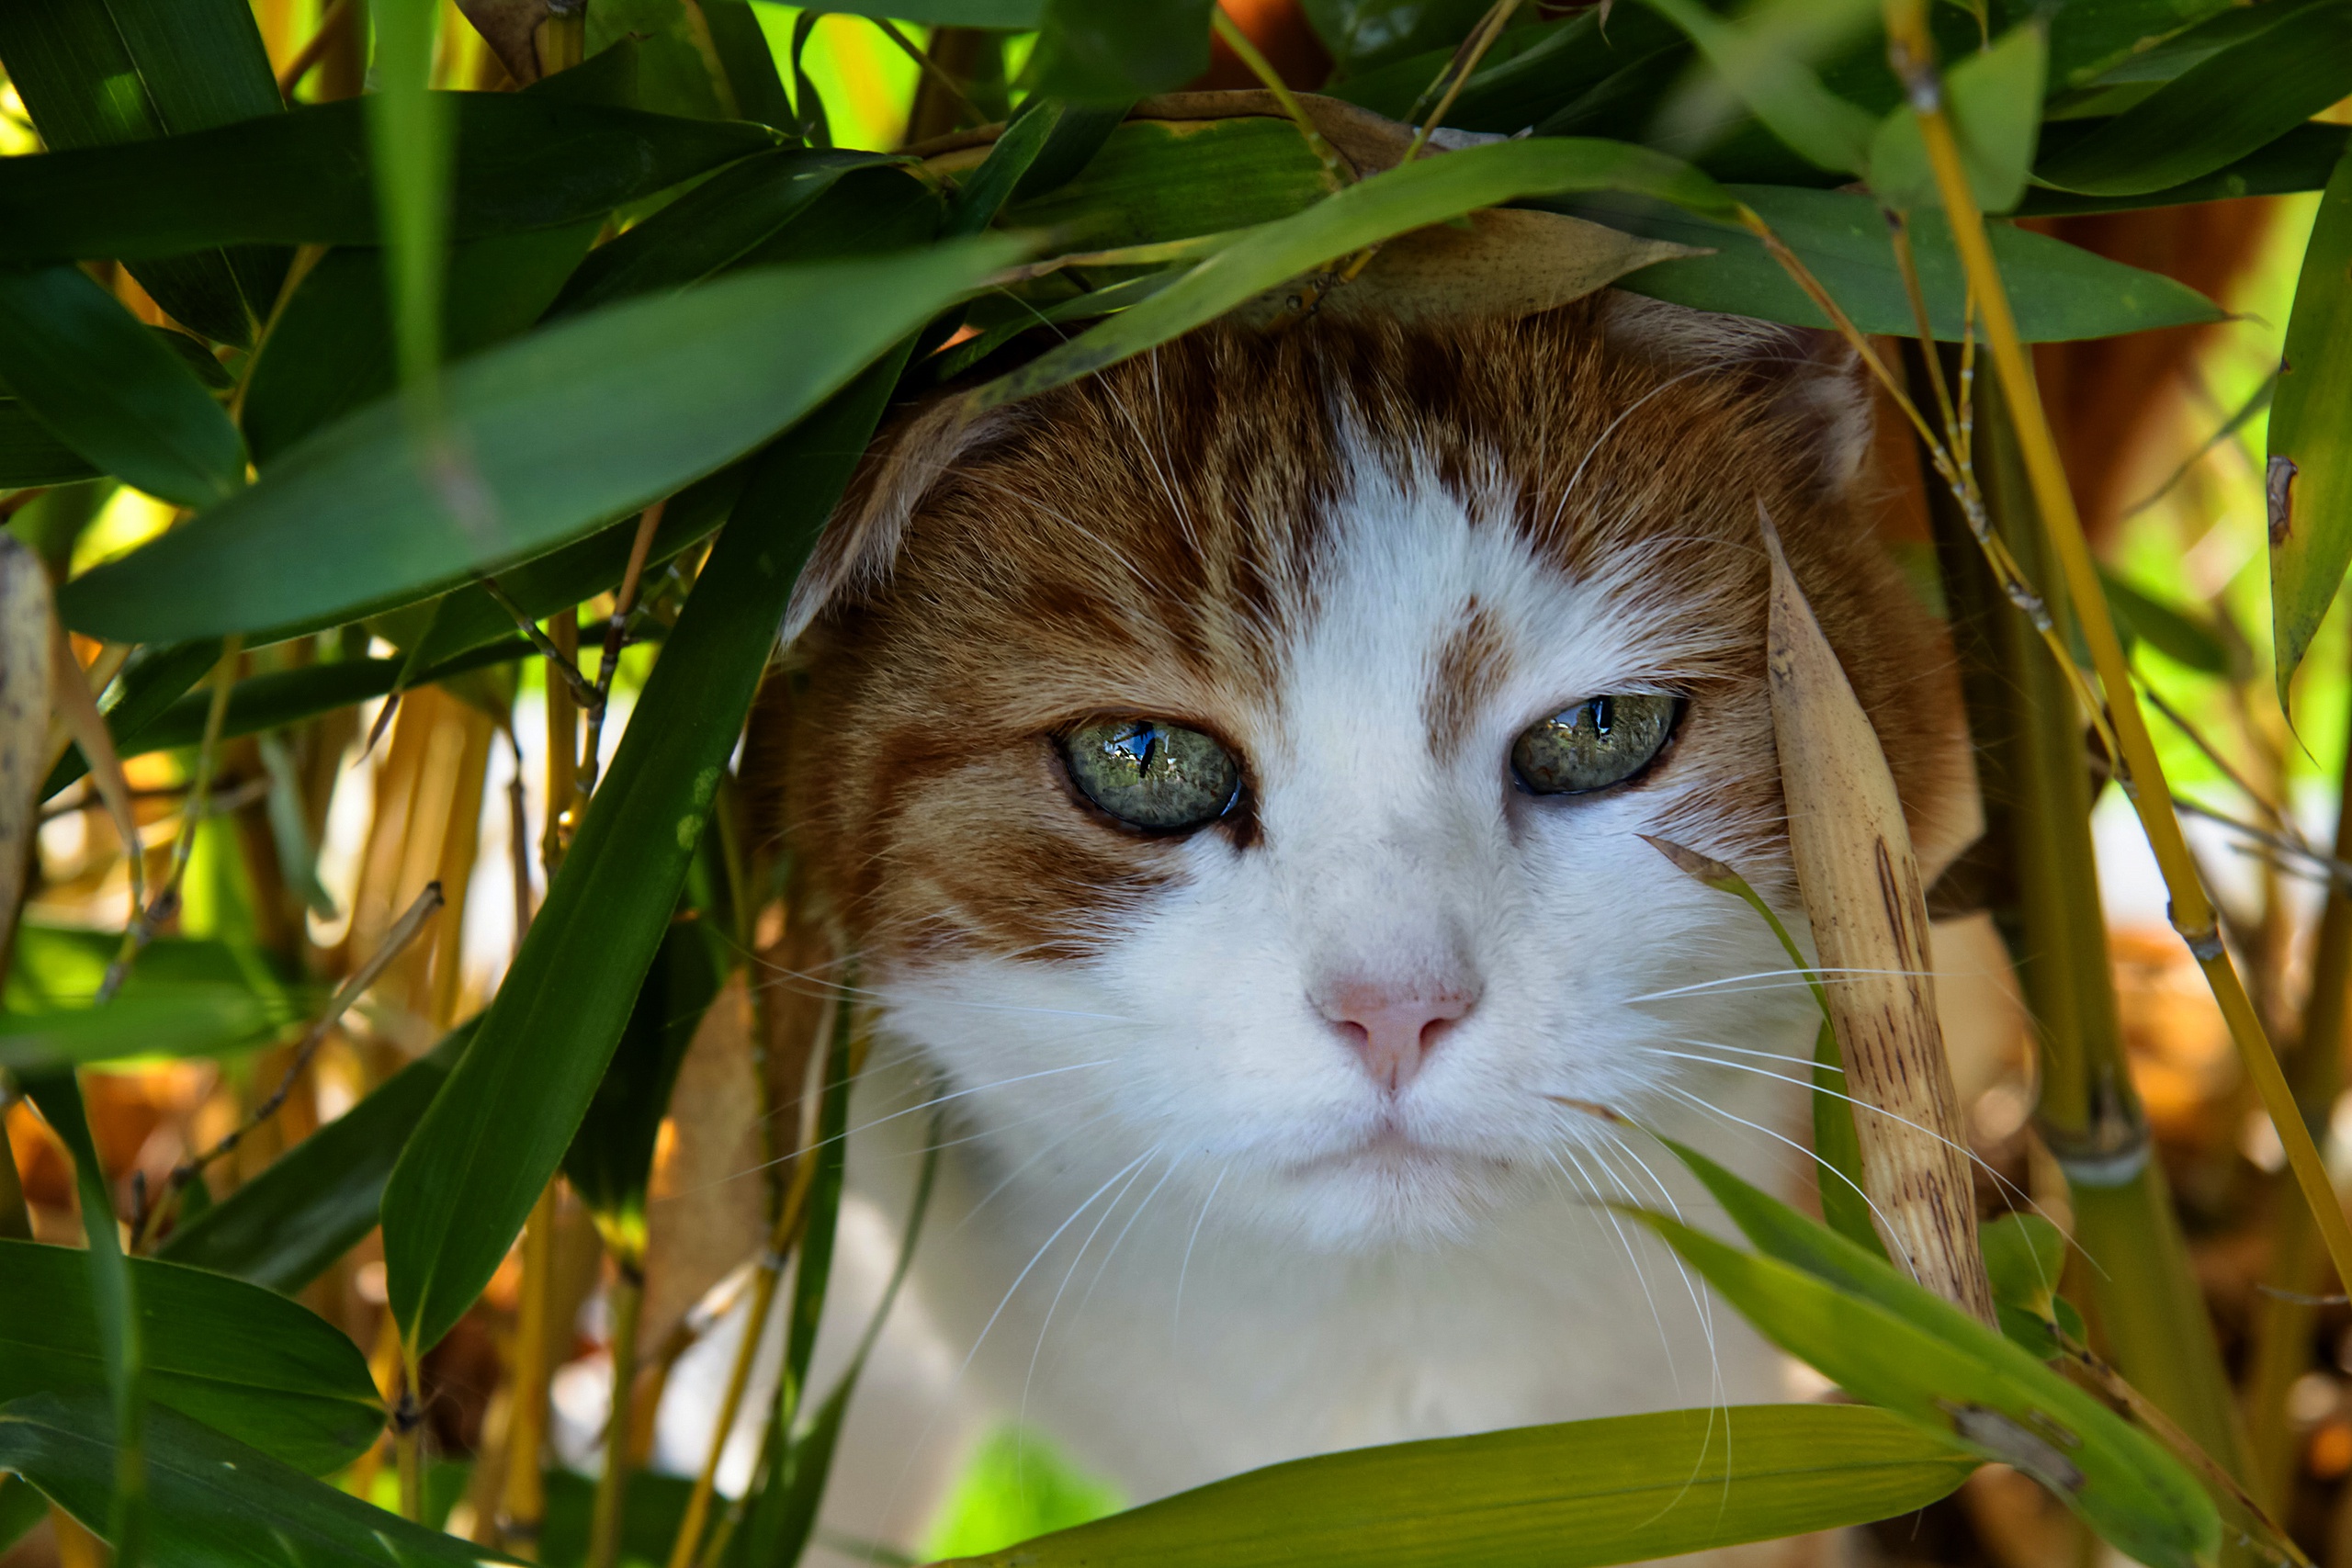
(1860, 1322)
(30, 455)
(1411, 197)
(523, 161)
(1760, 61)
(2061, 292)
(2087, 42)
(21, 1507)
(257, 1366)
(108, 388)
(610, 1161)
(1115, 50)
(2217, 111)
(314, 1203)
(1012, 15)
(187, 997)
(120, 1506)
(488, 1146)
(2176, 634)
(218, 1503)
(542, 440)
(1529, 74)
(2309, 470)
(1155, 180)
(2301, 160)
(330, 351)
(1627, 1489)
(468, 618)
(151, 680)
(278, 698)
(2024, 1254)
(748, 62)
(97, 72)
(1994, 100)
(711, 227)
(1362, 35)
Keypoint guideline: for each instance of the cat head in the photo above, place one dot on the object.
(1240, 758)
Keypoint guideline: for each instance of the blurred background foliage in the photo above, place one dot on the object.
(342, 821)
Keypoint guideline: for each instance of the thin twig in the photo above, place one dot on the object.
(965, 106)
(1152, 255)
(1473, 50)
(1341, 172)
(1911, 51)
(615, 637)
(331, 27)
(2213, 754)
(584, 690)
(396, 941)
(2252, 406)
(158, 909)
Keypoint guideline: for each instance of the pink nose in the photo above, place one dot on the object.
(1394, 1028)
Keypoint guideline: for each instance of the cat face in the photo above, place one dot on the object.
(1239, 761)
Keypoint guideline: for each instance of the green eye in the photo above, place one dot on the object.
(1598, 742)
(1151, 773)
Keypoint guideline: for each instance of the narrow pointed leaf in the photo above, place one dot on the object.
(259, 1368)
(1106, 50)
(542, 440)
(218, 1503)
(2310, 471)
(484, 1151)
(1886, 1341)
(1627, 1489)
(2217, 111)
(30, 455)
(110, 390)
(314, 1203)
(2062, 292)
(1780, 86)
(1404, 198)
(1994, 100)
(98, 73)
(523, 161)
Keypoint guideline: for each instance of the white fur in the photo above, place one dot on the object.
(1180, 1228)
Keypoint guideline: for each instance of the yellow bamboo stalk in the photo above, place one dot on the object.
(2143, 777)
(1869, 911)
(523, 1503)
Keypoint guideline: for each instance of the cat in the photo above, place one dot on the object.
(1230, 772)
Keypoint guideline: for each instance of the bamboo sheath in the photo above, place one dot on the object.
(1862, 894)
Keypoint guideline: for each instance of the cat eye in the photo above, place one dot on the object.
(1151, 773)
(1595, 743)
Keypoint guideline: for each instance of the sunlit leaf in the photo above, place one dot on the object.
(1994, 101)
(1623, 1490)
(1404, 198)
(2309, 478)
(283, 1228)
(542, 440)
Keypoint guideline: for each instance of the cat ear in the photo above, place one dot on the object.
(1813, 374)
(861, 542)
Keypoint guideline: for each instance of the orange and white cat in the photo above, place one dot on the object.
(1230, 773)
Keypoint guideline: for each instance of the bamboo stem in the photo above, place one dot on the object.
(1335, 167)
(788, 1219)
(563, 739)
(604, 1517)
(523, 1502)
(2283, 1319)
(408, 1422)
(2141, 775)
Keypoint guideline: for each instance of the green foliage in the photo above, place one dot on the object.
(521, 318)
(1017, 1485)
(1588, 1493)
(253, 1365)
(2310, 471)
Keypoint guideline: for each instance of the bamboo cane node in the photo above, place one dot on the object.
(2111, 1152)
(2204, 945)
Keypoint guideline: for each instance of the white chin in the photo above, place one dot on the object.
(1385, 1195)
